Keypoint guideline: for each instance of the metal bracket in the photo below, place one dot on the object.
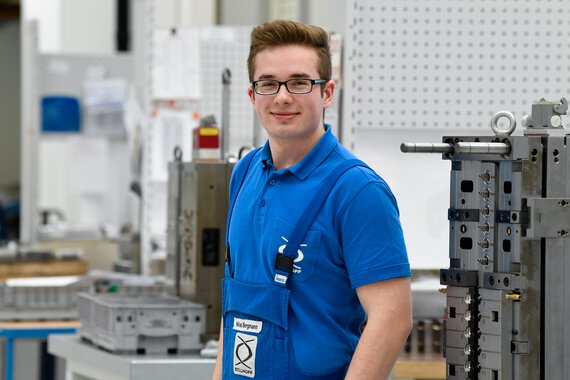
(458, 277)
(548, 217)
(501, 281)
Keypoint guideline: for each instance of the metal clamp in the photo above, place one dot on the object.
(561, 108)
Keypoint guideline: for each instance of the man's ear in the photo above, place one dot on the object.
(328, 93)
(251, 95)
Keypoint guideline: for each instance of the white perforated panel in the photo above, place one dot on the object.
(219, 48)
(450, 64)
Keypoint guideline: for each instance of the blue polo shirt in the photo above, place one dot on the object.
(356, 239)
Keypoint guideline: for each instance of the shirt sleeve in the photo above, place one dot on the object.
(372, 236)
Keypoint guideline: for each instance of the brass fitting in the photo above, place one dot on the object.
(513, 297)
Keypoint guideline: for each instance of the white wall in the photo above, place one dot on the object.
(73, 26)
(330, 14)
(243, 12)
(185, 12)
(48, 15)
(420, 183)
(88, 26)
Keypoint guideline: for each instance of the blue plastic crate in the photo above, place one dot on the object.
(61, 114)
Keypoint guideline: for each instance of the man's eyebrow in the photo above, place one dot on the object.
(266, 76)
(292, 76)
(300, 75)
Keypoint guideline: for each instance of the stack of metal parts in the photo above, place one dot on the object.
(56, 298)
(426, 339)
(508, 284)
(46, 298)
(428, 304)
(151, 324)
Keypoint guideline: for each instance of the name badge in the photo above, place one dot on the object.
(248, 325)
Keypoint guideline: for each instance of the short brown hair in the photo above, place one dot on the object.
(285, 32)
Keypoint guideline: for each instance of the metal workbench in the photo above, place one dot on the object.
(12, 331)
(85, 360)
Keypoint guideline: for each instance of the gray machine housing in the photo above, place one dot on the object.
(197, 211)
(508, 283)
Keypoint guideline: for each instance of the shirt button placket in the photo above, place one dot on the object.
(271, 182)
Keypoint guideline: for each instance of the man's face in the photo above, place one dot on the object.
(290, 117)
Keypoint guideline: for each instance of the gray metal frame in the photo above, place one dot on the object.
(30, 122)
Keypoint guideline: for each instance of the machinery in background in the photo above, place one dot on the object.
(508, 281)
(197, 209)
(141, 324)
(198, 203)
(56, 297)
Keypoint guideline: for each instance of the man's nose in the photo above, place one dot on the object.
(283, 93)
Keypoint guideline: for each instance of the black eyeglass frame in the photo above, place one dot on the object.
(312, 81)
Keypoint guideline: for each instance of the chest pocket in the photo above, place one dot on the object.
(308, 254)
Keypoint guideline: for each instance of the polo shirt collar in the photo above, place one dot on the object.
(312, 160)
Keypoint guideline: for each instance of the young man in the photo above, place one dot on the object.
(297, 312)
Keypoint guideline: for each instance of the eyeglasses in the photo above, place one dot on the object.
(294, 86)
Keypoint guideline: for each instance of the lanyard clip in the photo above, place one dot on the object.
(284, 263)
(283, 268)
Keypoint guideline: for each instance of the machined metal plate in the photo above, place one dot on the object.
(548, 217)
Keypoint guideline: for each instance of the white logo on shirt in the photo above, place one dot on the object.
(245, 349)
(298, 259)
